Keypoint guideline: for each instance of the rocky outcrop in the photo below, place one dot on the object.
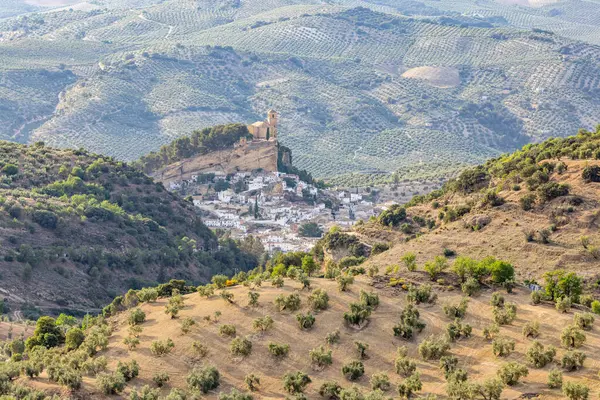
(253, 155)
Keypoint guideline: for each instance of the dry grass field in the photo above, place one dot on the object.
(474, 353)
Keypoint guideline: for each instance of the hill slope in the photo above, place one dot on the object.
(123, 78)
(474, 354)
(534, 208)
(77, 229)
(489, 323)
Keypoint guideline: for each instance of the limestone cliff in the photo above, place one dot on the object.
(249, 156)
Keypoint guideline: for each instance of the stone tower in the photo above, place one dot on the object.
(273, 121)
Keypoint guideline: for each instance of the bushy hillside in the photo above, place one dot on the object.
(487, 289)
(394, 336)
(358, 89)
(536, 207)
(77, 229)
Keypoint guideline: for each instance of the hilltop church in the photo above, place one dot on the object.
(267, 129)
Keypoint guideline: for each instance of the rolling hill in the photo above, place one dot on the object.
(485, 289)
(77, 229)
(354, 80)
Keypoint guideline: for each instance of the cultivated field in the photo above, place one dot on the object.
(474, 353)
(124, 77)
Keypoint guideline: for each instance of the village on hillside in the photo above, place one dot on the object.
(273, 206)
(277, 207)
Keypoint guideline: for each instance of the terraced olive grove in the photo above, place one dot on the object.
(421, 88)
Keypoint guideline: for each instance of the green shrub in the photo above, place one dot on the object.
(409, 323)
(253, 298)
(572, 337)
(563, 304)
(235, 394)
(502, 346)
(219, 281)
(46, 219)
(10, 169)
(501, 271)
(537, 297)
(584, 321)
(160, 379)
(528, 201)
(410, 385)
(252, 382)
(333, 337)
(320, 357)
(380, 381)
(576, 391)
(560, 283)
(145, 393)
(279, 350)
(344, 281)
(421, 294)
(227, 296)
(240, 347)
(160, 348)
(410, 261)
(436, 267)
(203, 379)
(73, 339)
(511, 372)
(295, 383)
(572, 360)
(448, 364)
(136, 316)
(470, 287)
(531, 329)
(330, 390)
(186, 325)
(434, 348)
(110, 383)
(591, 173)
(370, 299)
(128, 370)
(555, 379)
(552, 190)
(595, 306)
(227, 330)
(459, 310)
(359, 314)
(206, 291)
(361, 348)
(305, 321)
(318, 300)
(455, 330)
(505, 315)
(147, 295)
(538, 356)
(393, 216)
(288, 303)
(199, 349)
(277, 282)
(263, 324)
(353, 370)
(404, 366)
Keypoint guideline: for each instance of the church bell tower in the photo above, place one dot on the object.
(273, 121)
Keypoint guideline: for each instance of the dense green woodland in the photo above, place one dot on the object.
(96, 227)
